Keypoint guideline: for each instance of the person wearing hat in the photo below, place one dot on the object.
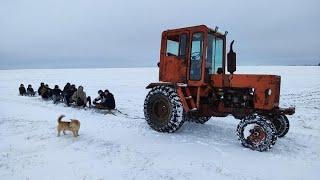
(22, 90)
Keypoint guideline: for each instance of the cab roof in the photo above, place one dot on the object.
(195, 28)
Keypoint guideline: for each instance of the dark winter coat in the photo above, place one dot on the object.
(46, 93)
(68, 92)
(72, 90)
(22, 91)
(30, 91)
(40, 89)
(56, 92)
(66, 88)
(109, 101)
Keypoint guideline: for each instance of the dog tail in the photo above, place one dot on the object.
(60, 117)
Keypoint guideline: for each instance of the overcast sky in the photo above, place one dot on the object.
(124, 33)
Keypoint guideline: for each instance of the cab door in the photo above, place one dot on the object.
(196, 58)
(214, 62)
(173, 57)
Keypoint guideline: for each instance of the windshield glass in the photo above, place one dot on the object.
(214, 54)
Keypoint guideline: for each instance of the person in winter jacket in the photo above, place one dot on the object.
(100, 98)
(40, 88)
(109, 101)
(100, 101)
(73, 89)
(46, 92)
(66, 87)
(80, 97)
(22, 90)
(56, 94)
(30, 91)
(68, 91)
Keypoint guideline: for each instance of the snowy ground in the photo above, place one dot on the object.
(120, 147)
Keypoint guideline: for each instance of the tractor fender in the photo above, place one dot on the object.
(151, 85)
(286, 111)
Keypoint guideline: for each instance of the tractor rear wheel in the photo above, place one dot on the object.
(282, 125)
(163, 109)
(197, 119)
(257, 133)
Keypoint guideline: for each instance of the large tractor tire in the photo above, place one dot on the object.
(281, 124)
(196, 119)
(257, 133)
(163, 109)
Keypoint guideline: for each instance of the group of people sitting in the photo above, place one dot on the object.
(71, 95)
(28, 92)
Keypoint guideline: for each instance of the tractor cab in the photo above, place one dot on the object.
(191, 55)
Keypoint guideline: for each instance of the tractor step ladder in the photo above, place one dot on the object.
(186, 98)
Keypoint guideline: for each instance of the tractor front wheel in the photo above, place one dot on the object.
(163, 109)
(257, 133)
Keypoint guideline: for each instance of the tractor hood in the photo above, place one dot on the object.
(266, 88)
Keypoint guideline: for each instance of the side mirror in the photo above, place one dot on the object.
(232, 56)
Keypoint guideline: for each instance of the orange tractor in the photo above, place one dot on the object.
(194, 86)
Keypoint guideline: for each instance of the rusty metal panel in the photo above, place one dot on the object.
(174, 69)
(217, 80)
(260, 83)
(183, 100)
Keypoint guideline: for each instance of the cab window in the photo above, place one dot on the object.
(177, 45)
(218, 54)
(214, 54)
(196, 56)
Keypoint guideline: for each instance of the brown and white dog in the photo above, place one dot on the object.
(72, 126)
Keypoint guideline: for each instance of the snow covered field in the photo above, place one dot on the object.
(124, 147)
